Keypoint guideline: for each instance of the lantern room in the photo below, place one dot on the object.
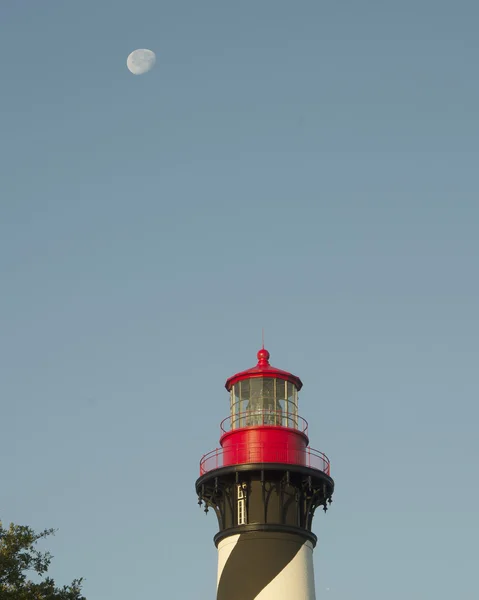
(263, 395)
(263, 425)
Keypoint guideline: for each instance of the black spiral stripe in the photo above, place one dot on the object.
(256, 559)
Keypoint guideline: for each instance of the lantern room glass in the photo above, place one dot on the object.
(264, 401)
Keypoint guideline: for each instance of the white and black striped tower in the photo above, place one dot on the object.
(264, 484)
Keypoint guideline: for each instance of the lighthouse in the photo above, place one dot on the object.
(264, 483)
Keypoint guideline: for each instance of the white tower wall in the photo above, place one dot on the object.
(265, 566)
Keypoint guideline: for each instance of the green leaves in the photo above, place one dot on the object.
(18, 557)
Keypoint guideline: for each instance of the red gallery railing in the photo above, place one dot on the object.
(268, 417)
(256, 453)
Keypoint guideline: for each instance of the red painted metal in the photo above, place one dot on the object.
(275, 442)
(263, 369)
(263, 453)
(264, 435)
(265, 417)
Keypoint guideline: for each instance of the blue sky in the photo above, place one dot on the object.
(310, 168)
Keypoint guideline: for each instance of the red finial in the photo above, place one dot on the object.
(263, 369)
(263, 357)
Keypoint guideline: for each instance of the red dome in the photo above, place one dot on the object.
(263, 369)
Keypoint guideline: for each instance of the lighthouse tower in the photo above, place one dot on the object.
(264, 484)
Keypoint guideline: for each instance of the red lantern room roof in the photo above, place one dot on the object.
(263, 369)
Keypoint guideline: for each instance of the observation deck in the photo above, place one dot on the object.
(264, 436)
(263, 452)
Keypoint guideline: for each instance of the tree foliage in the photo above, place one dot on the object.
(20, 559)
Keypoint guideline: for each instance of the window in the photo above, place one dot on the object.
(241, 505)
(264, 401)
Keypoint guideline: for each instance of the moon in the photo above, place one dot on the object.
(141, 61)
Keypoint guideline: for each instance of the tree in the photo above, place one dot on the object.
(20, 557)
